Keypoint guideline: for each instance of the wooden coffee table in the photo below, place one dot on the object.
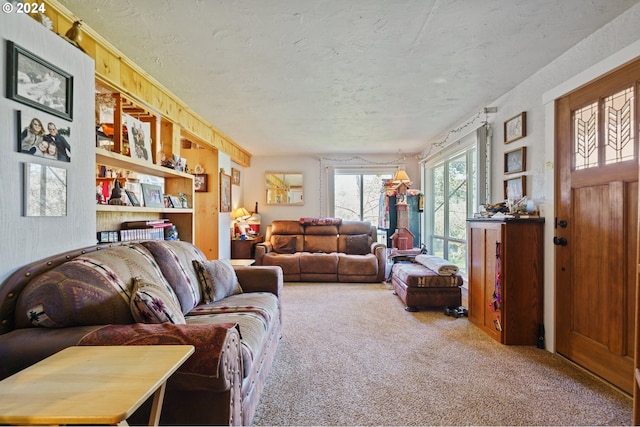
(91, 385)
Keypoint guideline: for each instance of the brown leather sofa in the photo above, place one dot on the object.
(341, 251)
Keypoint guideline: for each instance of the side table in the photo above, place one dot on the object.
(245, 249)
(91, 385)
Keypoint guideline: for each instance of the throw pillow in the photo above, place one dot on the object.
(284, 244)
(205, 280)
(220, 276)
(153, 303)
(358, 244)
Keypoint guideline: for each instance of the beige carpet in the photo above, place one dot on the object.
(350, 355)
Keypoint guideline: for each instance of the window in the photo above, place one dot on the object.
(357, 195)
(454, 190)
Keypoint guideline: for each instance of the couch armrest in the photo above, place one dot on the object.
(261, 279)
(262, 249)
(380, 251)
(216, 364)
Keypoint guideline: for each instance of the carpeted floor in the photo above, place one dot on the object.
(350, 355)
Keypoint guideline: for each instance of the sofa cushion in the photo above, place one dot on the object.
(358, 244)
(286, 227)
(219, 276)
(319, 263)
(357, 264)
(290, 263)
(174, 259)
(314, 243)
(253, 332)
(284, 244)
(155, 303)
(92, 289)
(263, 303)
(354, 227)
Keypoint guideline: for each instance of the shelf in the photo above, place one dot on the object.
(139, 166)
(140, 209)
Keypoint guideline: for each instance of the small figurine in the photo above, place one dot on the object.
(116, 194)
(74, 35)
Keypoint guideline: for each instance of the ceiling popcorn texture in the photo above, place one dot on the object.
(341, 76)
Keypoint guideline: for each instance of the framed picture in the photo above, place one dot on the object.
(139, 138)
(201, 182)
(515, 128)
(515, 188)
(174, 202)
(225, 192)
(152, 196)
(35, 82)
(515, 160)
(45, 190)
(44, 136)
(235, 174)
(132, 197)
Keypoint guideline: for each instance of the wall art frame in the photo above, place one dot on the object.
(225, 192)
(201, 182)
(53, 141)
(235, 173)
(45, 190)
(515, 188)
(133, 199)
(515, 160)
(515, 128)
(37, 83)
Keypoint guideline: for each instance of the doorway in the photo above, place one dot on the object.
(597, 223)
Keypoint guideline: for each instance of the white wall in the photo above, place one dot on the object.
(224, 222)
(604, 50)
(316, 181)
(26, 239)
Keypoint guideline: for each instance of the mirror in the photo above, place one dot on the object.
(284, 188)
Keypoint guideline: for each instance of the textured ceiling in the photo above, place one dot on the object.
(342, 76)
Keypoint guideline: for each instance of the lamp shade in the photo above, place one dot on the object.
(401, 177)
(241, 213)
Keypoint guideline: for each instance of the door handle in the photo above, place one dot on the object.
(560, 241)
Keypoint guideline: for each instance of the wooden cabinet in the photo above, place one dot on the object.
(511, 249)
(245, 249)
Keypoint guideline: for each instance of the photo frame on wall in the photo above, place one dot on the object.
(225, 192)
(35, 82)
(515, 188)
(235, 174)
(45, 190)
(44, 136)
(515, 160)
(201, 182)
(515, 128)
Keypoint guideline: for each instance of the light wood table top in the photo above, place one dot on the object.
(91, 385)
(243, 262)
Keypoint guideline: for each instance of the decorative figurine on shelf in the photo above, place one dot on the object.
(171, 233)
(116, 194)
(183, 200)
(74, 35)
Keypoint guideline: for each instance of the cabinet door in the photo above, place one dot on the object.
(482, 276)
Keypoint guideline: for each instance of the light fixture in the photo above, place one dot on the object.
(401, 177)
(241, 213)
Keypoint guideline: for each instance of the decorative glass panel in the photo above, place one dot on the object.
(619, 144)
(585, 127)
(457, 199)
(438, 200)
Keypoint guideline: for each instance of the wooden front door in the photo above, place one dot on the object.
(596, 225)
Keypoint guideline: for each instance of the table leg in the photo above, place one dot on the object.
(156, 407)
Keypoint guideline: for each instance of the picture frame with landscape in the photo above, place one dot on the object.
(37, 83)
(515, 160)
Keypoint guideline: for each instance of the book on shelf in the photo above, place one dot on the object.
(142, 234)
(147, 223)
